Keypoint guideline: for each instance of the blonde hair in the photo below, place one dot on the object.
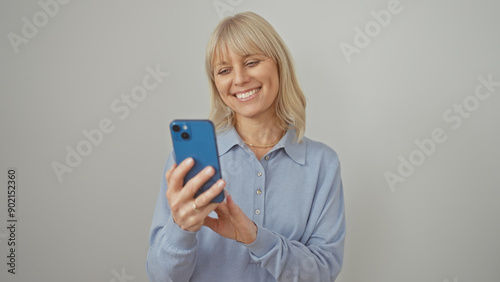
(245, 34)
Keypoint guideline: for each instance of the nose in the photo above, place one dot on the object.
(240, 76)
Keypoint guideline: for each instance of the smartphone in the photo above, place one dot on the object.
(196, 139)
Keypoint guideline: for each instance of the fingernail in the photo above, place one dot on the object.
(189, 161)
(221, 183)
(209, 170)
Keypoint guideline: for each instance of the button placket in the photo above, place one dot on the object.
(260, 181)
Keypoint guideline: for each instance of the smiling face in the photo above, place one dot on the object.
(248, 85)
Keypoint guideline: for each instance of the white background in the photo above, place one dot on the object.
(440, 224)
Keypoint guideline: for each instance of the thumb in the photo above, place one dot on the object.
(210, 222)
(230, 203)
(233, 208)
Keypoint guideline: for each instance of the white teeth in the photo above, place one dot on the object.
(247, 94)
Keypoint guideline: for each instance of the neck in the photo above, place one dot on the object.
(259, 133)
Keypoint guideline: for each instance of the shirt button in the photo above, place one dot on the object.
(257, 212)
(259, 191)
(259, 174)
(267, 158)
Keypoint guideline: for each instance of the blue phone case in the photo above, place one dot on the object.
(196, 139)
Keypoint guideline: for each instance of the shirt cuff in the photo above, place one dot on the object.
(178, 237)
(264, 242)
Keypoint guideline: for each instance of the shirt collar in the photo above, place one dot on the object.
(229, 138)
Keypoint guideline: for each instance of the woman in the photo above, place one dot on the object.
(283, 216)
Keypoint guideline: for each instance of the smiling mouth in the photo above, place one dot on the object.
(247, 94)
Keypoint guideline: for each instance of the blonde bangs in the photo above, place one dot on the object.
(243, 39)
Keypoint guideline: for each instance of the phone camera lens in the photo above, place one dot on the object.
(176, 128)
(184, 135)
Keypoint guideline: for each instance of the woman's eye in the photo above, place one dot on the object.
(223, 71)
(252, 63)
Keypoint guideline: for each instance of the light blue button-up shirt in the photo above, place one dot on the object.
(293, 194)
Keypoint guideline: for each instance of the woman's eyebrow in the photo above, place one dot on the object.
(244, 57)
(221, 63)
(254, 54)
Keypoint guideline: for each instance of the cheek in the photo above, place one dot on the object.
(272, 76)
(222, 91)
(223, 96)
(222, 86)
(275, 83)
(217, 86)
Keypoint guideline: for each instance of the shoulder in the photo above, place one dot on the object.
(316, 150)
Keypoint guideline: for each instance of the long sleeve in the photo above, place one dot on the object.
(318, 255)
(172, 251)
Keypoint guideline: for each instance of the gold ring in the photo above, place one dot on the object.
(195, 208)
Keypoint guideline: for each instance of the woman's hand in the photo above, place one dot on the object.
(232, 222)
(190, 213)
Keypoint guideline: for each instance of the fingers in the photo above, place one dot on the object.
(195, 183)
(187, 212)
(232, 223)
(202, 204)
(194, 216)
(175, 175)
(206, 197)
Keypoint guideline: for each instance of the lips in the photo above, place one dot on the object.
(247, 94)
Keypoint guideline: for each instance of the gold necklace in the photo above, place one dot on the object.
(264, 146)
